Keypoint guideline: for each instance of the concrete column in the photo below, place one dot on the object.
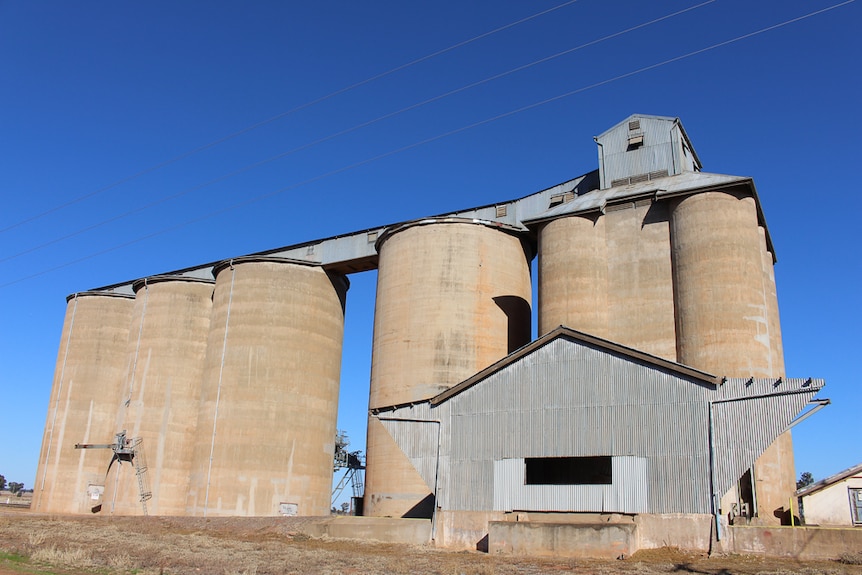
(640, 278)
(453, 296)
(166, 351)
(85, 394)
(265, 437)
(723, 313)
(573, 275)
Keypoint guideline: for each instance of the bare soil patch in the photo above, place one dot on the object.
(32, 544)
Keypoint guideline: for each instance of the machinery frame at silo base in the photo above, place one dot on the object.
(129, 449)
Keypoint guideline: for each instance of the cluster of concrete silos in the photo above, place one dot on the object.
(231, 387)
(688, 279)
(231, 382)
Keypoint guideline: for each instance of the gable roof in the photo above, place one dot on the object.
(669, 119)
(831, 480)
(628, 353)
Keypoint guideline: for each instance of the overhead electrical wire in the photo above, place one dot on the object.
(433, 139)
(267, 121)
(345, 132)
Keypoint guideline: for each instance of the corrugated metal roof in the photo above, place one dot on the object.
(634, 117)
(566, 332)
(832, 479)
(598, 200)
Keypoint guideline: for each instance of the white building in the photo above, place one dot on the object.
(836, 500)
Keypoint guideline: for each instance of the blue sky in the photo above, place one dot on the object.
(97, 92)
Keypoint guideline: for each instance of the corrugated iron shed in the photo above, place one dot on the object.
(677, 437)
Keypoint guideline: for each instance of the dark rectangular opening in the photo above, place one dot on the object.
(569, 470)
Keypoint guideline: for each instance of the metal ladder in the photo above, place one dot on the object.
(140, 463)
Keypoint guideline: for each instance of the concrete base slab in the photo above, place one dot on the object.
(798, 542)
(599, 540)
(385, 529)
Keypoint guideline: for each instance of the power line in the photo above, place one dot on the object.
(433, 139)
(348, 131)
(262, 123)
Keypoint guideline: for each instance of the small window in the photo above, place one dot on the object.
(634, 125)
(502, 211)
(569, 470)
(372, 237)
(856, 505)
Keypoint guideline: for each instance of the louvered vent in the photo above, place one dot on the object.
(639, 178)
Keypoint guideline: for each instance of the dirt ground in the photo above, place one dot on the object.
(41, 544)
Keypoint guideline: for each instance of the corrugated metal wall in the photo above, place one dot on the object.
(661, 149)
(568, 399)
(628, 493)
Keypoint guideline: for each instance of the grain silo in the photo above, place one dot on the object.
(269, 399)
(573, 275)
(87, 389)
(727, 312)
(453, 296)
(166, 351)
(609, 274)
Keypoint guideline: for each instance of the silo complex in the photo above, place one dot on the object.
(166, 350)
(87, 389)
(453, 296)
(226, 375)
(269, 398)
(672, 262)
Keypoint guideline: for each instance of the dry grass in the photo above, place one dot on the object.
(851, 558)
(272, 546)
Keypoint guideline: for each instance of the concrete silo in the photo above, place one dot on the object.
(87, 389)
(727, 314)
(453, 296)
(166, 351)
(573, 275)
(269, 399)
(609, 274)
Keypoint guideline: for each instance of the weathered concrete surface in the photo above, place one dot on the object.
(610, 276)
(640, 281)
(269, 398)
(385, 529)
(726, 316)
(573, 275)
(166, 350)
(797, 542)
(88, 383)
(463, 530)
(607, 540)
(682, 530)
(453, 297)
(470, 529)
